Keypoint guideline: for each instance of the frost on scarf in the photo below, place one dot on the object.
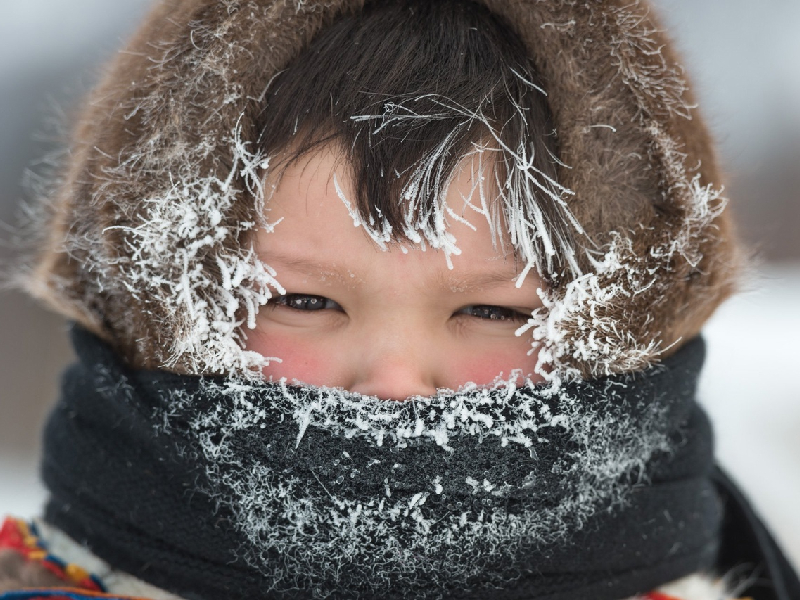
(338, 492)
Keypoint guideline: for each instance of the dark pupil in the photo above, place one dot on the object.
(306, 302)
(494, 313)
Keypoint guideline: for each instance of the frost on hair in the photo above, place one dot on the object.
(510, 202)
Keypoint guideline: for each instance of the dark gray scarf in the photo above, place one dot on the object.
(216, 489)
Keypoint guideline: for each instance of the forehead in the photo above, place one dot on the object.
(307, 202)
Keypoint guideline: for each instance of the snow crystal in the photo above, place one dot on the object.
(177, 227)
(510, 207)
(421, 511)
(577, 323)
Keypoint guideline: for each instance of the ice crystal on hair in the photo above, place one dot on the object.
(506, 182)
(381, 233)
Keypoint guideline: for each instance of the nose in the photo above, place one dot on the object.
(395, 365)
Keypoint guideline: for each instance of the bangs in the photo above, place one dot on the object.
(410, 91)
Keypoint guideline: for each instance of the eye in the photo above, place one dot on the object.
(305, 302)
(493, 313)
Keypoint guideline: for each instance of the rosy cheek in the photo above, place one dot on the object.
(483, 370)
(301, 360)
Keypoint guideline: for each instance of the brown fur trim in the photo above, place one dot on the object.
(16, 573)
(626, 120)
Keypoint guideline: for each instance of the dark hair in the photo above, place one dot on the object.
(406, 81)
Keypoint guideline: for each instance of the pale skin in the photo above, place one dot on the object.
(387, 323)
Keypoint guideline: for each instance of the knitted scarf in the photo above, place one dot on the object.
(219, 489)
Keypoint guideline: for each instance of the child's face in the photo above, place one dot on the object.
(388, 323)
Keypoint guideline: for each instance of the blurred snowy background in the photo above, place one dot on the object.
(744, 57)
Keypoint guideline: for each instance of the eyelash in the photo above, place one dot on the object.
(298, 302)
(314, 303)
(501, 313)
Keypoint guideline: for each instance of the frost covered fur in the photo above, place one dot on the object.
(149, 232)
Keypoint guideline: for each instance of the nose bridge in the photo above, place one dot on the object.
(396, 361)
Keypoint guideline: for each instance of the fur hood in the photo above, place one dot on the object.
(147, 234)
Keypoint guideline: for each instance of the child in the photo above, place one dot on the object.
(395, 300)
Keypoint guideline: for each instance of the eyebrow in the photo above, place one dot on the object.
(478, 281)
(468, 282)
(307, 266)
